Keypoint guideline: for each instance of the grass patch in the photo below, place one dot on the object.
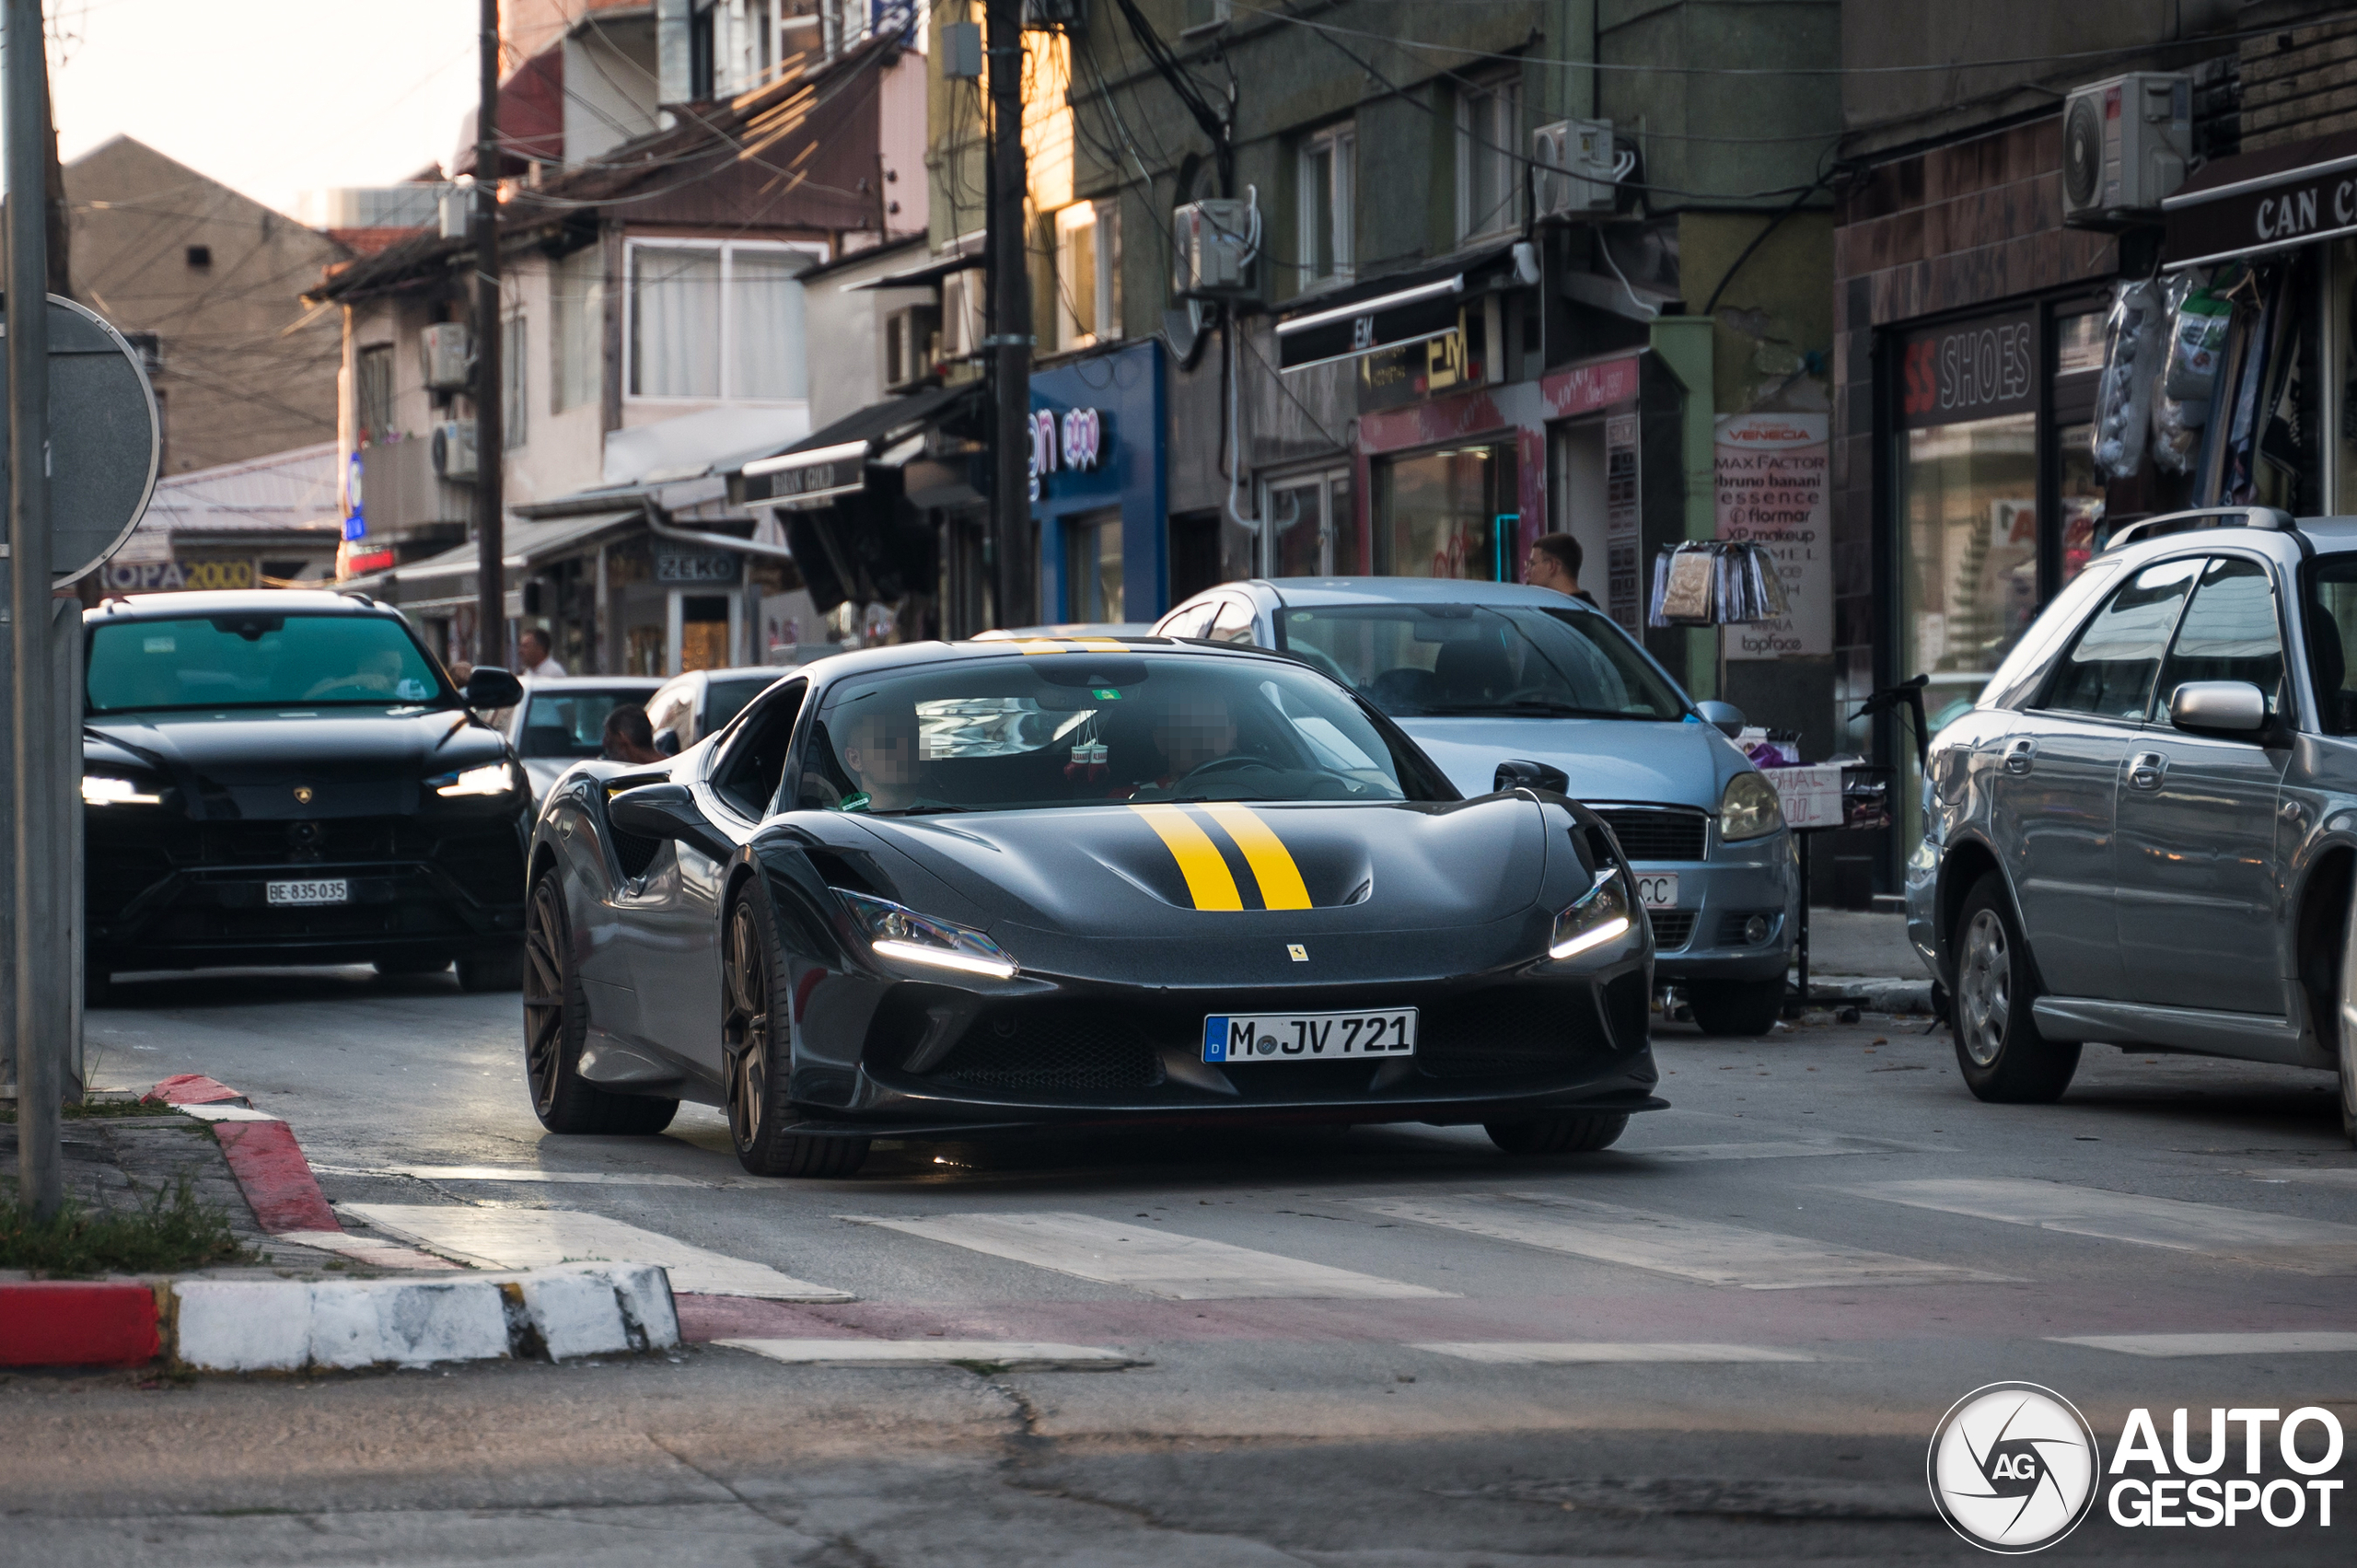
(162, 1231)
(100, 1110)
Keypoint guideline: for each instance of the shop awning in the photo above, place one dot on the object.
(448, 579)
(931, 272)
(2255, 204)
(831, 464)
(1410, 307)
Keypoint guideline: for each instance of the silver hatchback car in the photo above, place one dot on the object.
(2143, 834)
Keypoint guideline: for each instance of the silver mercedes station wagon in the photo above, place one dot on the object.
(2142, 833)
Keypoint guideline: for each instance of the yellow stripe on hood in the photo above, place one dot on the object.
(1209, 883)
(1271, 863)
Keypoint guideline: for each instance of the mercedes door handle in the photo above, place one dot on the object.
(2146, 768)
(2020, 755)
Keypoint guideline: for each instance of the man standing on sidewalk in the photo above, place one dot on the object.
(1555, 563)
(539, 662)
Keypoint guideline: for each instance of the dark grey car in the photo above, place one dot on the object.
(2144, 832)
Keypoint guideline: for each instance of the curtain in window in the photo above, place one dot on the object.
(675, 322)
(765, 325)
(576, 340)
(514, 381)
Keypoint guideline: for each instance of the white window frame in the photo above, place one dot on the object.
(1103, 282)
(1477, 117)
(1340, 144)
(817, 250)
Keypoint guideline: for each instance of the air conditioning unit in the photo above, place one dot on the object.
(2126, 143)
(1215, 242)
(909, 335)
(454, 450)
(448, 349)
(1575, 169)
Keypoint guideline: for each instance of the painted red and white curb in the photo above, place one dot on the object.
(245, 1325)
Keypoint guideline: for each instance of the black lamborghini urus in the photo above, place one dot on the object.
(289, 777)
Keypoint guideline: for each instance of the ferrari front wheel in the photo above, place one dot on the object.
(754, 1040)
(1583, 1133)
(556, 1019)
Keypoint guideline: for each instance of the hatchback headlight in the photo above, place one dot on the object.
(1749, 810)
(905, 937)
(109, 789)
(1601, 915)
(491, 778)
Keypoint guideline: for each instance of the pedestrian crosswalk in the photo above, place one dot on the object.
(2274, 1241)
(534, 1238)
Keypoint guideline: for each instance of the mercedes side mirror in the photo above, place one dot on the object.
(2218, 707)
(1521, 774)
(667, 811)
(491, 687)
(1725, 717)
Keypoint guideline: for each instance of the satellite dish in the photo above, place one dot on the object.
(1187, 329)
(105, 440)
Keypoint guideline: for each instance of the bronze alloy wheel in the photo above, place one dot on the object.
(745, 1025)
(556, 1020)
(1984, 980)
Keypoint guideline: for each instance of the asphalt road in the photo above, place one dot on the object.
(1828, 1206)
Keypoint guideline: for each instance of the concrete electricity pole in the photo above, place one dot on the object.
(491, 440)
(1010, 342)
(40, 952)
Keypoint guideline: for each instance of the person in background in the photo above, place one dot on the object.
(1555, 563)
(629, 737)
(461, 671)
(539, 662)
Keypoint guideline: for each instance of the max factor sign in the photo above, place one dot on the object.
(2269, 212)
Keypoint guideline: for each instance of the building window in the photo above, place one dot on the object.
(1489, 169)
(372, 392)
(1448, 514)
(1312, 530)
(200, 257)
(578, 330)
(717, 322)
(1088, 272)
(512, 381)
(1327, 183)
(1092, 568)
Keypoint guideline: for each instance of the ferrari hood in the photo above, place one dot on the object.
(1606, 759)
(354, 763)
(1184, 870)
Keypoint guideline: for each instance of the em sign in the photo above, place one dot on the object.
(104, 438)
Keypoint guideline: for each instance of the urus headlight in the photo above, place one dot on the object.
(491, 778)
(905, 937)
(110, 789)
(1749, 810)
(1601, 915)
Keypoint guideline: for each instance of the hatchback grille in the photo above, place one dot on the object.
(1053, 1049)
(1672, 928)
(1658, 833)
(1510, 1029)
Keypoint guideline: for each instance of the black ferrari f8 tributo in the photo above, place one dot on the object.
(946, 891)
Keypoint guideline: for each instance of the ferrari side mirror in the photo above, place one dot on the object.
(667, 811)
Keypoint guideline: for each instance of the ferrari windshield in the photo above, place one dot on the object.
(1463, 658)
(1087, 729)
(255, 660)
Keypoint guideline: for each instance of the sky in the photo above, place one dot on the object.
(271, 96)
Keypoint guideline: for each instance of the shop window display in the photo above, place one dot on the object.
(1970, 585)
(1448, 514)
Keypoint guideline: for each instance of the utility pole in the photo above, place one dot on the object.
(42, 1017)
(1010, 339)
(490, 439)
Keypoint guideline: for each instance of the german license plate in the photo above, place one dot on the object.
(1308, 1037)
(329, 890)
(1657, 890)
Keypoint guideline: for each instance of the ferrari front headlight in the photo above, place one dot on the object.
(1749, 810)
(107, 789)
(491, 778)
(905, 937)
(1601, 915)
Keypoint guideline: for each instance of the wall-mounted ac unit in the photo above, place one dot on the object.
(449, 350)
(2126, 142)
(454, 450)
(961, 315)
(1214, 241)
(909, 334)
(1575, 169)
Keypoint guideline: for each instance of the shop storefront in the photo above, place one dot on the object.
(1099, 491)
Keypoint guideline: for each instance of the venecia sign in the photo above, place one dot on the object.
(1073, 440)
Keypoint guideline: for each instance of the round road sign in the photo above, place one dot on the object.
(104, 438)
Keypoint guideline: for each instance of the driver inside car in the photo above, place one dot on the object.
(379, 673)
(1191, 733)
(880, 754)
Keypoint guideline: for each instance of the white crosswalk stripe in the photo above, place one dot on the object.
(531, 1175)
(2320, 1341)
(2275, 1241)
(1695, 1250)
(1790, 1148)
(2320, 1176)
(533, 1238)
(1145, 1258)
(1014, 1355)
(1571, 1355)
